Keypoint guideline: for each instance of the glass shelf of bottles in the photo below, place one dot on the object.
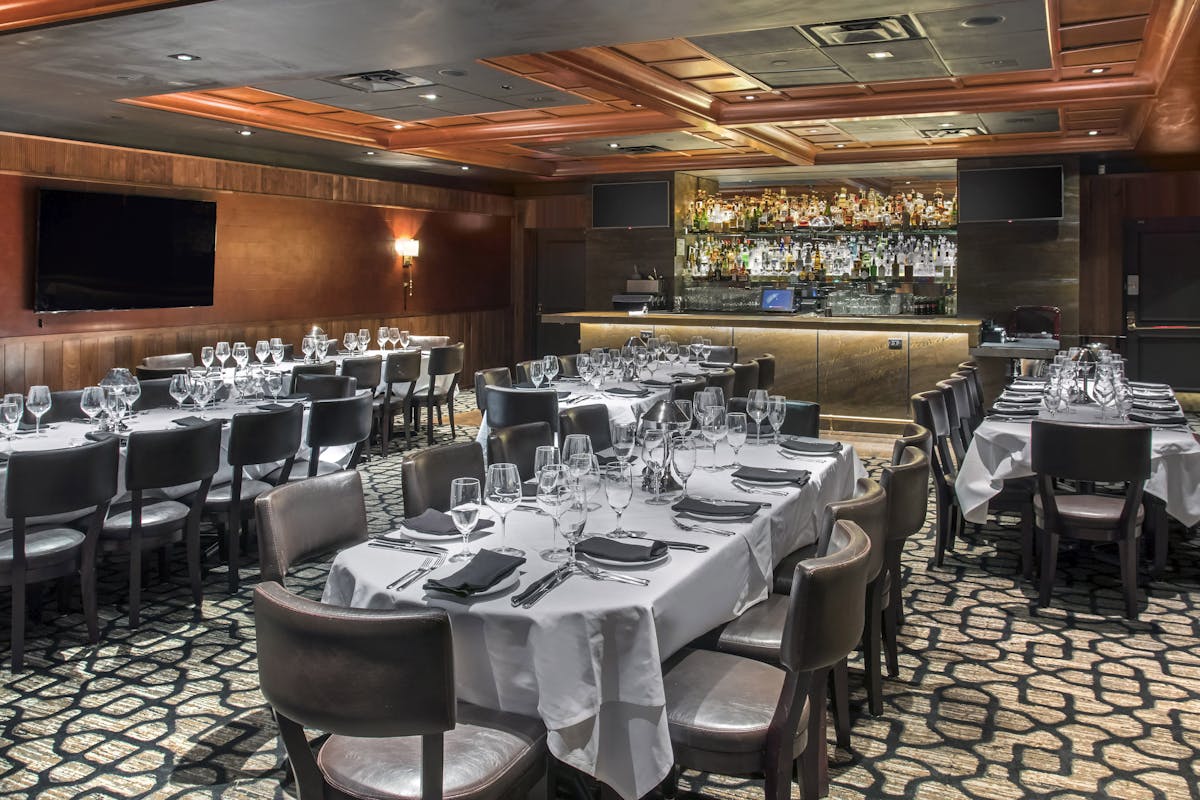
(849, 298)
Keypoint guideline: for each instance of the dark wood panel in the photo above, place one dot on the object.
(558, 211)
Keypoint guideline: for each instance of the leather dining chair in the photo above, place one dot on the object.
(401, 371)
(745, 378)
(155, 393)
(396, 727)
(176, 361)
(974, 398)
(522, 371)
(591, 420)
(325, 387)
(425, 476)
(255, 438)
(722, 354)
(972, 370)
(428, 342)
(929, 411)
(958, 447)
(368, 372)
(1090, 454)
(298, 520)
(443, 362)
(964, 409)
(733, 715)
(914, 435)
(766, 371)
(493, 376)
(323, 368)
(157, 373)
(507, 407)
(343, 422)
(156, 460)
(906, 485)
(518, 444)
(723, 380)
(686, 389)
(803, 418)
(64, 406)
(568, 366)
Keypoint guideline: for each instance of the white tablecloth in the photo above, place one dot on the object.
(587, 658)
(1001, 450)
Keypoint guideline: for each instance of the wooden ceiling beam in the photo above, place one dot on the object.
(484, 158)
(546, 130)
(607, 165)
(975, 149)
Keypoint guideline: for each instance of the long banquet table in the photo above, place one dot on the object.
(587, 658)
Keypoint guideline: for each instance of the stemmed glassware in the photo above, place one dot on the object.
(242, 381)
(576, 443)
(364, 340)
(712, 428)
(683, 458)
(262, 350)
(308, 346)
(624, 437)
(222, 353)
(502, 493)
(241, 354)
(179, 389)
(464, 511)
(618, 490)
(404, 340)
(756, 407)
(351, 341)
(322, 347)
(585, 471)
(394, 336)
(574, 521)
(535, 373)
(38, 403)
(206, 356)
(706, 347)
(203, 389)
(735, 433)
(544, 456)
(277, 350)
(550, 367)
(553, 490)
(91, 399)
(273, 380)
(12, 408)
(381, 336)
(654, 453)
(1104, 389)
(776, 415)
(697, 346)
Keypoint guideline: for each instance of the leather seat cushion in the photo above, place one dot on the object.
(220, 496)
(758, 631)
(721, 703)
(162, 513)
(785, 570)
(485, 755)
(42, 548)
(1087, 510)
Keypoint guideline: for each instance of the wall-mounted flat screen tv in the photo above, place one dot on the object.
(646, 204)
(1014, 193)
(98, 252)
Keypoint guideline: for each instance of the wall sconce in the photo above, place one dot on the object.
(408, 249)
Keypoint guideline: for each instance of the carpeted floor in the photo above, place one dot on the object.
(991, 702)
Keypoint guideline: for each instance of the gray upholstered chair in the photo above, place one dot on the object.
(907, 486)
(591, 420)
(401, 371)
(745, 378)
(325, 387)
(425, 475)
(914, 435)
(766, 371)
(518, 444)
(175, 361)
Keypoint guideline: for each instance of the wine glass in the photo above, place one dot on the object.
(91, 400)
(654, 453)
(178, 389)
(322, 347)
(776, 414)
(544, 456)
(574, 444)
(364, 340)
(381, 336)
(12, 408)
(262, 349)
(308, 346)
(706, 347)
(618, 490)
(241, 382)
(550, 367)
(241, 354)
(404, 340)
(624, 436)
(351, 341)
(277, 350)
(222, 352)
(273, 380)
(394, 336)
(683, 458)
(203, 389)
(712, 428)
(735, 433)
(133, 390)
(535, 373)
(502, 493)
(206, 356)
(756, 407)
(585, 471)
(697, 346)
(464, 510)
(1104, 389)
(574, 520)
(554, 481)
(38, 403)
(688, 412)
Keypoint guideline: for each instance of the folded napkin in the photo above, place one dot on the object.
(1010, 410)
(104, 436)
(1024, 399)
(1156, 405)
(811, 447)
(562, 394)
(439, 523)
(1152, 394)
(1157, 419)
(569, 379)
(729, 508)
(624, 391)
(529, 488)
(26, 427)
(658, 384)
(799, 477)
(191, 422)
(273, 407)
(1148, 385)
(479, 574)
(632, 552)
(687, 375)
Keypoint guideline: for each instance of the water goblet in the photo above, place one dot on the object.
(273, 380)
(618, 490)
(712, 428)
(404, 337)
(262, 350)
(550, 368)
(776, 414)
(322, 347)
(12, 408)
(574, 444)
(502, 493)
(574, 520)
(464, 511)
(554, 481)
(178, 389)
(223, 352)
(756, 407)
(535, 373)
(624, 437)
(308, 346)
(585, 470)
(364, 339)
(381, 336)
(91, 401)
(735, 433)
(655, 448)
(38, 403)
(683, 458)
(394, 336)
(207, 354)
(277, 350)
(241, 354)
(351, 341)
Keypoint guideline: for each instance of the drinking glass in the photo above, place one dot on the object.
(585, 471)
(38, 403)
(206, 356)
(464, 510)
(545, 455)
(554, 483)
(241, 354)
(697, 346)
(535, 373)
(624, 437)
(618, 490)
(203, 389)
(574, 520)
(241, 382)
(179, 389)
(688, 412)
(364, 339)
(735, 433)
(654, 453)
(322, 347)
(502, 493)
(776, 414)
(12, 408)
(706, 349)
(273, 380)
(262, 349)
(574, 444)
(1103, 389)
(394, 336)
(222, 352)
(351, 341)
(713, 429)
(133, 390)
(756, 407)
(404, 337)
(550, 367)
(683, 458)
(91, 400)
(381, 336)
(277, 350)
(308, 346)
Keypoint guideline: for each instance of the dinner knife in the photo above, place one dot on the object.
(541, 587)
(432, 550)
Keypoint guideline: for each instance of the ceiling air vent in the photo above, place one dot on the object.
(641, 149)
(950, 133)
(864, 31)
(379, 80)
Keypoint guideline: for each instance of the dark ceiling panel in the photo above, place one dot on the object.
(805, 77)
(748, 42)
(985, 18)
(781, 61)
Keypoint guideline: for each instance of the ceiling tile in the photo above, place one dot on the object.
(1072, 11)
(1040, 121)
(1106, 32)
(802, 77)
(945, 121)
(663, 50)
(1012, 17)
(407, 113)
(693, 68)
(479, 105)
(748, 42)
(781, 61)
(734, 84)
(1030, 49)
(546, 98)
(912, 58)
(306, 89)
(1100, 55)
(478, 79)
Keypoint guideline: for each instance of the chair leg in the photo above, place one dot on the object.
(1127, 549)
(890, 646)
(670, 784)
(193, 558)
(439, 410)
(839, 689)
(871, 641)
(1027, 542)
(895, 550)
(135, 578)
(450, 412)
(232, 550)
(385, 430)
(1049, 564)
(18, 622)
(1157, 517)
(813, 764)
(943, 528)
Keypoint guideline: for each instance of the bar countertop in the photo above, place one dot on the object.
(796, 321)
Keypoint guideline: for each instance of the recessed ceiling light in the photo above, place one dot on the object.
(908, 183)
(1093, 133)
(613, 145)
(397, 126)
(779, 62)
(945, 124)
(1097, 70)
(983, 21)
(369, 152)
(453, 73)
(749, 97)
(841, 145)
(184, 57)
(429, 96)
(814, 130)
(245, 132)
(464, 167)
(638, 105)
(879, 55)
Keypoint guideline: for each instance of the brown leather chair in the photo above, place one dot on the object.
(976, 376)
(325, 387)
(342, 422)
(929, 411)
(722, 354)
(494, 376)
(425, 476)
(367, 370)
(401, 371)
(300, 519)
(766, 371)
(745, 378)
(914, 435)
(518, 444)
(963, 414)
(955, 436)
(40, 483)
(733, 715)
(1090, 454)
(381, 682)
(568, 366)
(155, 393)
(686, 389)
(522, 371)
(64, 406)
(906, 484)
(508, 407)
(803, 418)
(428, 342)
(974, 397)
(591, 420)
(145, 373)
(324, 368)
(159, 460)
(722, 380)
(175, 361)
(444, 361)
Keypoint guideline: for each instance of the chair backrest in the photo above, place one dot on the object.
(446, 360)
(517, 406)
(175, 361)
(289, 351)
(723, 380)
(723, 354)
(906, 483)
(261, 437)
(296, 520)
(342, 421)
(39, 483)
(325, 387)
(493, 376)
(518, 445)
(323, 368)
(745, 378)
(958, 411)
(591, 420)
(402, 366)
(974, 394)
(568, 365)
(828, 601)
(766, 371)
(1091, 453)
(425, 476)
(64, 406)
(929, 411)
(158, 459)
(522, 371)
(354, 672)
(156, 393)
(686, 390)
(154, 373)
(914, 435)
(867, 509)
(802, 418)
(428, 342)
(367, 370)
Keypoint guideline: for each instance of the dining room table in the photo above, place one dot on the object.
(586, 657)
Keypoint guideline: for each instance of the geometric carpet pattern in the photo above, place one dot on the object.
(992, 701)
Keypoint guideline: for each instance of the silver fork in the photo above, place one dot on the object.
(424, 570)
(597, 574)
(399, 583)
(757, 489)
(691, 526)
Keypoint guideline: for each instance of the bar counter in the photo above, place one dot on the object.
(862, 370)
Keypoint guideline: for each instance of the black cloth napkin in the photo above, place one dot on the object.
(529, 488)
(623, 391)
(439, 523)
(732, 508)
(658, 384)
(272, 407)
(823, 448)
(103, 436)
(1024, 399)
(563, 394)
(26, 427)
(1156, 405)
(686, 375)
(715, 364)
(191, 422)
(629, 551)
(1157, 419)
(799, 477)
(1011, 410)
(479, 574)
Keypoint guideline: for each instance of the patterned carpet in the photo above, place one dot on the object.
(991, 702)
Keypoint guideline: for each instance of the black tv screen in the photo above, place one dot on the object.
(999, 195)
(631, 205)
(100, 252)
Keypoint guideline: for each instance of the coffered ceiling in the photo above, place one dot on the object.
(541, 89)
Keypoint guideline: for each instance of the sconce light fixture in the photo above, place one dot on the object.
(408, 249)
